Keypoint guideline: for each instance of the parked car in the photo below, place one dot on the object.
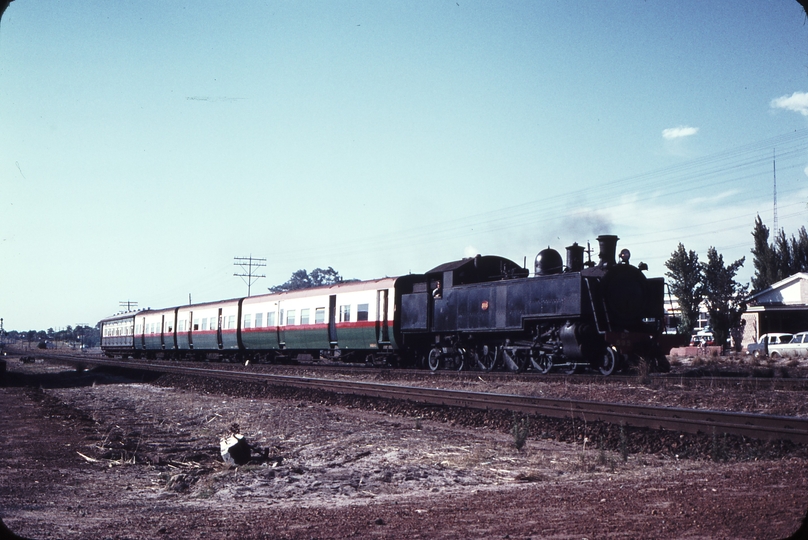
(701, 339)
(798, 346)
(769, 344)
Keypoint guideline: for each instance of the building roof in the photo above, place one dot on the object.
(791, 291)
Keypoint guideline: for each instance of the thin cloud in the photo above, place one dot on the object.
(213, 99)
(797, 102)
(713, 199)
(679, 132)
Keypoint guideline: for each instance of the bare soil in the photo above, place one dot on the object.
(100, 455)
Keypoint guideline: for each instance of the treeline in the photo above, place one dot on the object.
(712, 283)
(86, 336)
(778, 259)
(305, 280)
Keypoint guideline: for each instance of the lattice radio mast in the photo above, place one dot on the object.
(247, 264)
(774, 171)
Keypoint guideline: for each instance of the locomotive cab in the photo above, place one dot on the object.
(430, 301)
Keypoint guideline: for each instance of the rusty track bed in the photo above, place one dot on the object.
(756, 426)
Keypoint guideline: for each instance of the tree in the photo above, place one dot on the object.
(799, 250)
(303, 280)
(784, 263)
(320, 277)
(777, 260)
(685, 275)
(763, 258)
(725, 297)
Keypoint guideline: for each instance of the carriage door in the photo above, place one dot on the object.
(163, 332)
(332, 320)
(281, 327)
(143, 335)
(190, 328)
(219, 331)
(382, 331)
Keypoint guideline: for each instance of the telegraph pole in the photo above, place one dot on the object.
(128, 304)
(247, 265)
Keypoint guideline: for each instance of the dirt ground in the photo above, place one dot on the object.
(97, 455)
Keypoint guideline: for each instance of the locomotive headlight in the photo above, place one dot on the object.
(625, 255)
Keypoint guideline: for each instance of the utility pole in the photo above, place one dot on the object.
(247, 265)
(128, 304)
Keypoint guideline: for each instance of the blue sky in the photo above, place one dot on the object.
(144, 145)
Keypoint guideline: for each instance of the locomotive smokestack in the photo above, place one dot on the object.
(608, 247)
(575, 257)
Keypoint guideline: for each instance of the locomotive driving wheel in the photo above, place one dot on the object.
(541, 361)
(458, 359)
(514, 359)
(487, 358)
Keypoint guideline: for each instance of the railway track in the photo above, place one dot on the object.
(764, 379)
(757, 426)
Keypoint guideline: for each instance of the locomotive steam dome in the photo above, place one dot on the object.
(548, 262)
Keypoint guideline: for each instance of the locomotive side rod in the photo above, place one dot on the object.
(767, 427)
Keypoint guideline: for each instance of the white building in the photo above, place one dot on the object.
(783, 307)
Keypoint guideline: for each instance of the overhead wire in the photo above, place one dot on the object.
(704, 173)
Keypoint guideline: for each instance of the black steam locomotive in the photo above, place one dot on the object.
(486, 310)
(476, 313)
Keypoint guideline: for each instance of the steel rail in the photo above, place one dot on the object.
(663, 379)
(757, 426)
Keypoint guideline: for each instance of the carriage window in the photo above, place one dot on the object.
(304, 316)
(231, 322)
(247, 321)
(319, 315)
(362, 312)
(180, 326)
(290, 317)
(196, 326)
(204, 325)
(259, 320)
(271, 319)
(345, 313)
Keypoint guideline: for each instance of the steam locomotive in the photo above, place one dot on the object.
(476, 313)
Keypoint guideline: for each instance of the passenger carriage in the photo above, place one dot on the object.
(352, 320)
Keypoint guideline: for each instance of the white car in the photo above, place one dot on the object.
(769, 345)
(798, 346)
